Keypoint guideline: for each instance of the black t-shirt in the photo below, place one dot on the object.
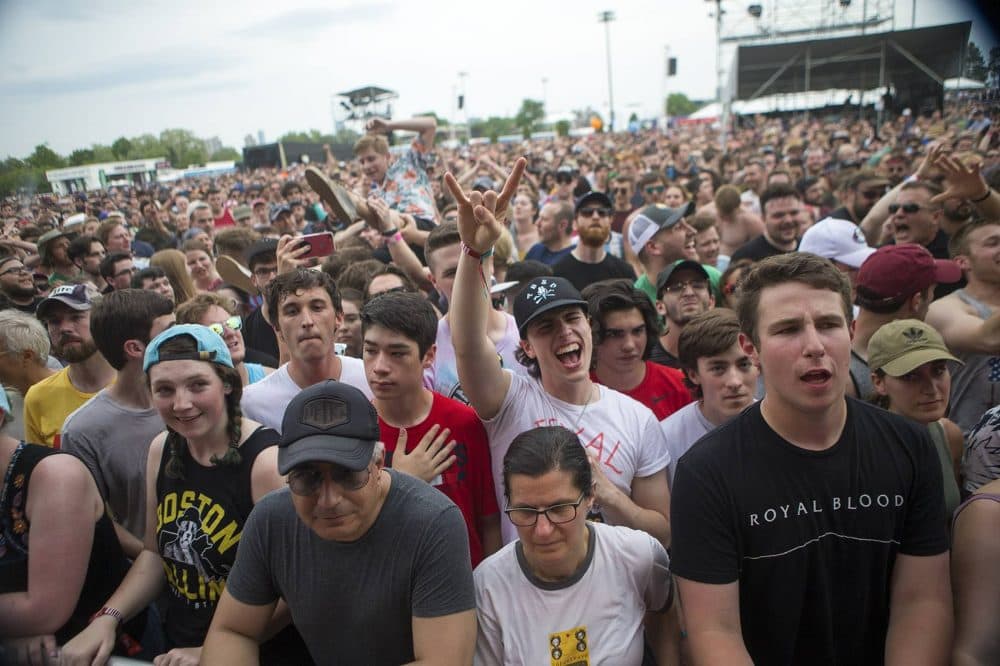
(810, 536)
(258, 334)
(659, 354)
(581, 274)
(755, 250)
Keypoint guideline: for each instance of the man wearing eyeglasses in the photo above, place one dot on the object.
(683, 291)
(17, 285)
(860, 194)
(589, 261)
(117, 269)
(372, 563)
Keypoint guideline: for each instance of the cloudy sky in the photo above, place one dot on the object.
(77, 73)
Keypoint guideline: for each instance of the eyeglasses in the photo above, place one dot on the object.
(909, 208)
(125, 271)
(590, 212)
(308, 481)
(679, 287)
(234, 323)
(563, 179)
(264, 271)
(555, 514)
(654, 189)
(872, 194)
(15, 269)
(621, 190)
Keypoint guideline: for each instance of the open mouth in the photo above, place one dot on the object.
(902, 229)
(816, 377)
(569, 355)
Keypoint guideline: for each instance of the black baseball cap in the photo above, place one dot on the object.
(255, 253)
(594, 197)
(330, 422)
(684, 264)
(541, 295)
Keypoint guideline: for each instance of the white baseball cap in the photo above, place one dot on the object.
(840, 240)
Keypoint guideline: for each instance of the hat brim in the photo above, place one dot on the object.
(522, 328)
(234, 273)
(354, 454)
(856, 258)
(946, 271)
(910, 361)
(684, 264)
(47, 304)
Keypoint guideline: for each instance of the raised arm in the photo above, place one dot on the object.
(426, 126)
(966, 182)
(876, 217)
(963, 331)
(483, 380)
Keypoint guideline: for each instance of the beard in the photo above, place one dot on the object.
(17, 291)
(592, 236)
(77, 353)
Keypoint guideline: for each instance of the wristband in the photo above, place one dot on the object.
(108, 610)
(476, 255)
(989, 191)
(390, 232)
(395, 238)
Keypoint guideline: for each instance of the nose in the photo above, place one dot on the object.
(330, 493)
(543, 526)
(379, 366)
(812, 344)
(182, 400)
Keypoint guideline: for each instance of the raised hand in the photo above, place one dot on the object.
(377, 126)
(429, 458)
(289, 253)
(964, 181)
(481, 215)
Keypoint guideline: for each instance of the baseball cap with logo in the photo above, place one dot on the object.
(904, 345)
(840, 240)
(542, 295)
(74, 296)
(895, 272)
(242, 212)
(650, 221)
(330, 422)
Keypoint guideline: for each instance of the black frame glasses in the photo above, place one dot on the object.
(679, 287)
(16, 269)
(308, 481)
(908, 208)
(557, 514)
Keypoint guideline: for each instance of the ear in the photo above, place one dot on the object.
(526, 347)
(134, 349)
(661, 309)
(852, 328)
(429, 356)
(963, 262)
(692, 376)
(879, 383)
(746, 344)
(227, 388)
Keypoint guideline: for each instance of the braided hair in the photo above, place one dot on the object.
(231, 381)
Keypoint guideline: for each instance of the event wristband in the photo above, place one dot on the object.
(989, 191)
(394, 238)
(108, 610)
(476, 255)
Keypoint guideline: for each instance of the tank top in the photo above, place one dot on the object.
(952, 497)
(861, 375)
(199, 520)
(255, 372)
(106, 566)
(969, 500)
(975, 386)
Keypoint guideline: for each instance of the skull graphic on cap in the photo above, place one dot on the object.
(542, 291)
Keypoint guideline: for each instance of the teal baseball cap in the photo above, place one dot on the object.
(210, 346)
(4, 401)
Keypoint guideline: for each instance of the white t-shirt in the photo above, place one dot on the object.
(266, 400)
(595, 615)
(622, 432)
(442, 376)
(682, 429)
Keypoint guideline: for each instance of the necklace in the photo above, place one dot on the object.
(590, 397)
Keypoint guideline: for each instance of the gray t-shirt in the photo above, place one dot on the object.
(354, 602)
(113, 440)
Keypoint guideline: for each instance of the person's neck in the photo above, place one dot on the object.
(672, 337)
(408, 410)
(574, 392)
(206, 283)
(561, 243)
(525, 226)
(815, 430)
(654, 266)
(621, 380)
(92, 375)
(589, 254)
(130, 388)
(865, 325)
(982, 291)
(565, 569)
(307, 373)
(711, 413)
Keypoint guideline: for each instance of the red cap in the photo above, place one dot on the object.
(899, 271)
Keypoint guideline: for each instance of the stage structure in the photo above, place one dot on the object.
(364, 103)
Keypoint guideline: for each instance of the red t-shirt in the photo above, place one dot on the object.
(662, 390)
(469, 482)
(226, 219)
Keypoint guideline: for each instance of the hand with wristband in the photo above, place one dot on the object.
(481, 215)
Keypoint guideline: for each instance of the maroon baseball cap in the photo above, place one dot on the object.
(899, 271)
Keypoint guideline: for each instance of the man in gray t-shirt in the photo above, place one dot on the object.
(372, 563)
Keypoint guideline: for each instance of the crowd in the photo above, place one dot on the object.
(634, 398)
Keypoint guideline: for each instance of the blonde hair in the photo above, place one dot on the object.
(174, 264)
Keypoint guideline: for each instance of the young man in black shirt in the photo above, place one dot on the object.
(808, 529)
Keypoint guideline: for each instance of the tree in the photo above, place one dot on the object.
(975, 64)
(121, 148)
(994, 66)
(678, 104)
(531, 113)
(562, 127)
(182, 147)
(147, 147)
(493, 127)
(45, 158)
(81, 156)
(226, 154)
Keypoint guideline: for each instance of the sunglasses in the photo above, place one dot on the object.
(590, 212)
(307, 482)
(234, 323)
(655, 189)
(909, 208)
(563, 179)
(679, 287)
